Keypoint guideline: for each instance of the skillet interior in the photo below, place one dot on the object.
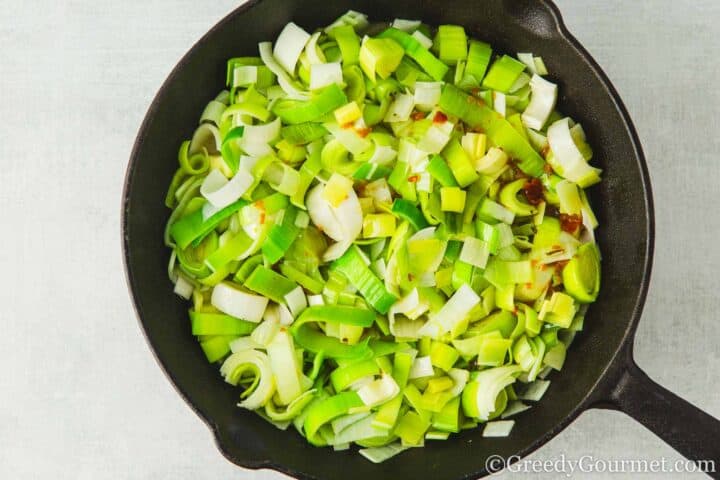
(621, 202)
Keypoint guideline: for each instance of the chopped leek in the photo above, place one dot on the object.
(375, 247)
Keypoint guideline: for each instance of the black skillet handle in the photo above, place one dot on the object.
(686, 428)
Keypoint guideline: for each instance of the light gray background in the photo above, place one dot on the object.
(80, 394)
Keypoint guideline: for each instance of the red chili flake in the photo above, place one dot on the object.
(439, 117)
(533, 189)
(548, 168)
(347, 125)
(475, 91)
(411, 277)
(533, 262)
(528, 285)
(413, 178)
(262, 217)
(363, 132)
(417, 115)
(544, 152)
(570, 223)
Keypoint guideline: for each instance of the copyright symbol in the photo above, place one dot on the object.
(494, 464)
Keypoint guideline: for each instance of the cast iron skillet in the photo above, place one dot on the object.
(599, 372)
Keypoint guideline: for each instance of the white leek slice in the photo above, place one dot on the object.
(286, 318)
(248, 162)
(513, 408)
(256, 149)
(455, 311)
(406, 25)
(379, 190)
(492, 163)
(436, 137)
(296, 301)
(237, 303)
(324, 74)
(499, 103)
(379, 391)
(183, 287)
(535, 390)
(420, 37)
(285, 367)
(424, 234)
(411, 307)
(425, 183)
(259, 134)
(207, 137)
(266, 330)
(542, 103)
(421, 367)
(322, 214)
(380, 454)
(360, 430)
(221, 192)
(251, 220)
(341, 423)
(282, 178)
(567, 157)
(289, 45)
(427, 95)
(412, 154)
(357, 20)
(460, 378)
(250, 360)
(342, 223)
(314, 54)
(243, 343)
(498, 428)
(475, 252)
(527, 59)
(400, 109)
(284, 80)
(383, 155)
(490, 383)
(314, 300)
(244, 75)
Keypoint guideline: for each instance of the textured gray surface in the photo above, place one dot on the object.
(81, 396)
